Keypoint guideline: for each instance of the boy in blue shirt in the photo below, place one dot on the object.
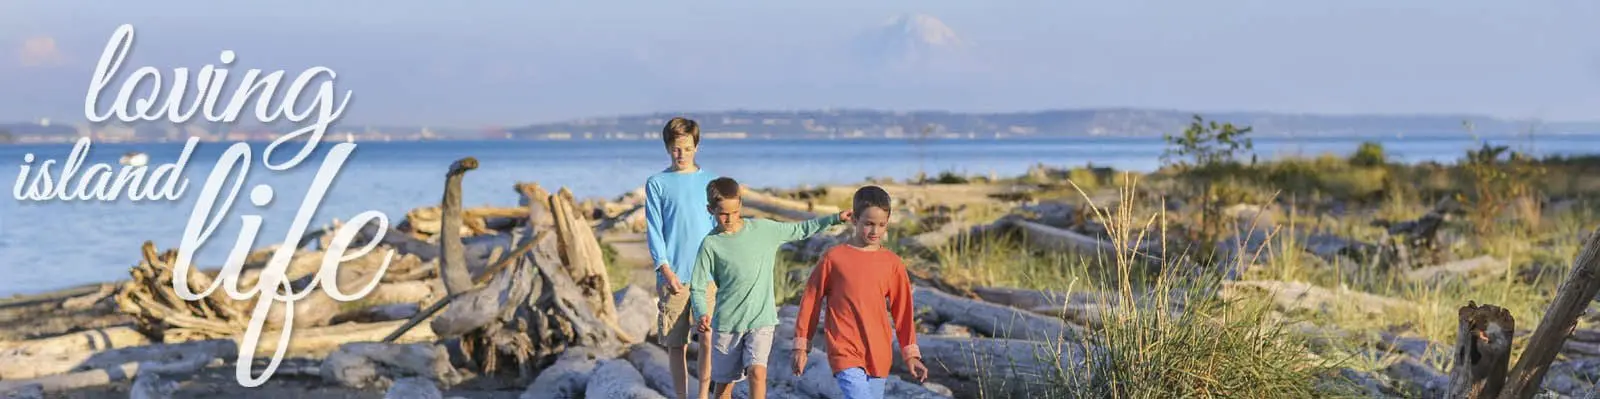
(675, 214)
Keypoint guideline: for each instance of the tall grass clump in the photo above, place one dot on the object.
(1002, 261)
(1175, 339)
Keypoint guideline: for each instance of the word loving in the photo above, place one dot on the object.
(233, 166)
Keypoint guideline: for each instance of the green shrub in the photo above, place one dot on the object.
(1084, 177)
(1368, 155)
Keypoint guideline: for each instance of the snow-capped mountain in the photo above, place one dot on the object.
(911, 40)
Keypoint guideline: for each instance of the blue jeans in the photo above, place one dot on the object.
(856, 384)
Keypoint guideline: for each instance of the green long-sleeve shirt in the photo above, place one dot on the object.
(741, 264)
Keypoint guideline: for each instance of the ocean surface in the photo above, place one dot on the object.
(47, 245)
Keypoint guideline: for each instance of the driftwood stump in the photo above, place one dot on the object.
(1482, 352)
(453, 263)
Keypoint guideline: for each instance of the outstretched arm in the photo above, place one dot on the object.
(792, 231)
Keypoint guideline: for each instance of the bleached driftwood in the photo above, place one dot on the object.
(580, 251)
(991, 319)
(953, 330)
(1081, 308)
(615, 378)
(319, 309)
(22, 364)
(90, 300)
(380, 313)
(99, 339)
(1057, 239)
(319, 341)
(111, 358)
(1461, 268)
(782, 207)
(954, 232)
(171, 362)
(1290, 296)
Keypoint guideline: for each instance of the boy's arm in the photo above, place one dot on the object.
(701, 277)
(900, 307)
(811, 305)
(793, 231)
(655, 223)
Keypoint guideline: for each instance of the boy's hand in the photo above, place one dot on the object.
(845, 215)
(918, 370)
(705, 324)
(799, 361)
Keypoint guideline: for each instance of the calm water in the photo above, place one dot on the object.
(45, 246)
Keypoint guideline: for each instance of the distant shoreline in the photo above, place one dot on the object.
(1277, 138)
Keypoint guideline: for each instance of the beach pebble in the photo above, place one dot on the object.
(414, 388)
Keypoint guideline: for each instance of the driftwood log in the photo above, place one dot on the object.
(1458, 269)
(782, 207)
(1301, 296)
(40, 357)
(991, 319)
(954, 231)
(166, 362)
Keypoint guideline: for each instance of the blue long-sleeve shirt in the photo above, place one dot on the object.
(677, 219)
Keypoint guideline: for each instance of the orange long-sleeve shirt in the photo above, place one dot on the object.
(855, 284)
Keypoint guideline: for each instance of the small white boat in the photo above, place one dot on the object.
(135, 158)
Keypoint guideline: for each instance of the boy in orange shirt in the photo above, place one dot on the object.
(854, 279)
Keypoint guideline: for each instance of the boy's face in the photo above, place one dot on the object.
(682, 152)
(726, 211)
(872, 224)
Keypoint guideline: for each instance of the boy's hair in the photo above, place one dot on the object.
(869, 197)
(678, 127)
(720, 189)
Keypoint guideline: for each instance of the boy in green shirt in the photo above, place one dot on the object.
(739, 256)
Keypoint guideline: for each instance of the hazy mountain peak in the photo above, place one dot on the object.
(923, 29)
(911, 40)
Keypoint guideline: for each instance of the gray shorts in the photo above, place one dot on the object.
(733, 352)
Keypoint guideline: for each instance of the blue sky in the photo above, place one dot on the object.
(511, 63)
